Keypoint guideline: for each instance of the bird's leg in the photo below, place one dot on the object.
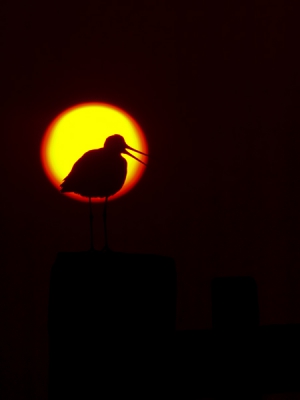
(105, 227)
(91, 224)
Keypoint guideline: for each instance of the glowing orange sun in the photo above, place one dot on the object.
(85, 127)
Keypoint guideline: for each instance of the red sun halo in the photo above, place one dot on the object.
(84, 127)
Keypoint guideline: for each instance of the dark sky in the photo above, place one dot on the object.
(216, 90)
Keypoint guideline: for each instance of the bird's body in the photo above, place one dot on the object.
(98, 173)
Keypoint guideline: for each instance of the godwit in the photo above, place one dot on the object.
(100, 173)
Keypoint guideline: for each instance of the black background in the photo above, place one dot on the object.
(215, 87)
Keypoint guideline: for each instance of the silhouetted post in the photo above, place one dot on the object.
(110, 318)
(105, 224)
(91, 224)
(235, 317)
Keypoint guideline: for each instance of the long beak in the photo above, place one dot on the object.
(130, 148)
(127, 152)
(131, 155)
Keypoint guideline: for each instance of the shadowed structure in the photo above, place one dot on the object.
(100, 173)
(112, 329)
(235, 322)
(111, 324)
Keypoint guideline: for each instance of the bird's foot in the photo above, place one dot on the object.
(106, 249)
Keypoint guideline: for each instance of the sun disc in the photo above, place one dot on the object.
(85, 127)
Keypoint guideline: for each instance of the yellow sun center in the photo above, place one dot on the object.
(85, 127)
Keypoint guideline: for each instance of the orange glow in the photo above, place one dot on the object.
(85, 127)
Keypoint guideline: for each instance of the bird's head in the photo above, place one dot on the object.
(117, 144)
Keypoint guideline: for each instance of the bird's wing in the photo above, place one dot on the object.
(81, 170)
(96, 174)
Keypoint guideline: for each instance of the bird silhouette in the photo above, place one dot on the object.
(100, 173)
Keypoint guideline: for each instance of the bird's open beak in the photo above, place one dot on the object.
(129, 154)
